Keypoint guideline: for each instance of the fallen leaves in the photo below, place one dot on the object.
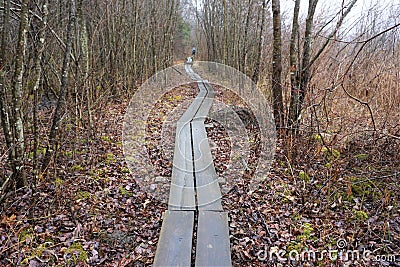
(98, 216)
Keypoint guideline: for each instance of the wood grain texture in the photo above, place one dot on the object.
(175, 243)
(182, 192)
(207, 187)
(194, 186)
(213, 246)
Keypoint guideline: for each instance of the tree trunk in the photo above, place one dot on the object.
(4, 103)
(37, 75)
(84, 62)
(5, 107)
(277, 65)
(303, 75)
(60, 108)
(256, 71)
(17, 92)
(293, 63)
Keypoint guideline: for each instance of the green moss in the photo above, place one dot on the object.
(106, 139)
(304, 176)
(331, 153)
(360, 216)
(26, 234)
(307, 229)
(346, 197)
(366, 188)
(76, 168)
(328, 165)
(37, 253)
(124, 170)
(288, 195)
(125, 192)
(99, 174)
(282, 163)
(361, 156)
(68, 153)
(110, 158)
(294, 246)
(39, 151)
(296, 217)
(317, 138)
(83, 195)
(76, 252)
(58, 182)
(307, 233)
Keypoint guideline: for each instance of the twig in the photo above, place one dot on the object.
(364, 44)
(176, 70)
(3, 188)
(361, 102)
(391, 135)
(41, 19)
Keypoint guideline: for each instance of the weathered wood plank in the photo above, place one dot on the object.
(192, 74)
(191, 111)
(175, 244)
(207, 187)
(182, 192)
(193, 165)
(196, 104)
(207, 100)
(213, 246)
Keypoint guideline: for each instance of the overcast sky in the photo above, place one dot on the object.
(328, 8)
(360, 6)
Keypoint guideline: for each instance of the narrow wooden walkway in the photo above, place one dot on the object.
(195, 228)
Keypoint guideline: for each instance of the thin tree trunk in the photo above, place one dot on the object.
(5, 109)
(303, 75)
(60, 108)
(256, 72)
(83, 42)
(225, 29)
(18, 127)
(242, 64)
(293, 64)
(38, 74)
(4, 103)
(277, 65)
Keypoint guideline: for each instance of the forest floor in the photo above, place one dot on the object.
(89, 211)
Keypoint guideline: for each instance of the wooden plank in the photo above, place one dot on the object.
(213, 246)
(191, 111)
(207, 187)
(207, 100)
(182, 192)
(192, 74)
(175, 244)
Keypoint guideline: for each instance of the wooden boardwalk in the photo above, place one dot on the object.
(195, 227)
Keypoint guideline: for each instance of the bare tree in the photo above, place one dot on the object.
(4, 92)
(40, 46)
(277, 65)
(303, 71)
(233, 33)
(60, 108)
(5, 107)
(300, 67)
(256, 72)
